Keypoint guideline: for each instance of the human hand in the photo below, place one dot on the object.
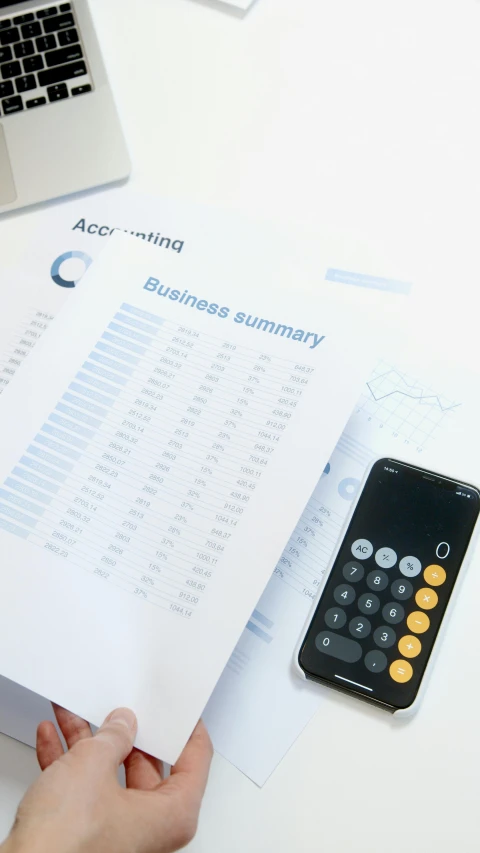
(77, 804)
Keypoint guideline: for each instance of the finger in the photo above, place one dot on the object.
(117, 735)
(49, 745)
(73, 728)
(190, 774)
(142, 771)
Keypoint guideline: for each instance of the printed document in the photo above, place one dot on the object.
(155, 454)
(412, 408)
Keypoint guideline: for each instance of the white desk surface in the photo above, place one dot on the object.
(362, 114)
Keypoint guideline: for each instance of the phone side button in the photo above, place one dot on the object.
(338, 647)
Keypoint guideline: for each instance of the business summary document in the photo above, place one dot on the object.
(156, 454)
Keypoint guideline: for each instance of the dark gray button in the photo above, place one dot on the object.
(353, 571)
(344, 594)
(401, 590)
(384, 636)
(393, 613)
(338, 647)
(359, 627)
(375, 661)
(368, 603)
(377, 581)
(335, 617)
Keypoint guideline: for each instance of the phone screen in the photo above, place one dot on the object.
(380, 611)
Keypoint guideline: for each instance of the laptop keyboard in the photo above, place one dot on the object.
(42, 59)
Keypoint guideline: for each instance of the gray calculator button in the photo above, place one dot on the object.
(410, 567)
(368, 603)
(393, 613)
(385, 558)
(359, 627)
(384, 636)
(402, 590)
(375, 661)
(376, 581)
(362, 549)
(353, 571)
(335, 617)
(338, 647)
(344, 594)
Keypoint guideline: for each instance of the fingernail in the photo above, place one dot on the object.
(124, 716)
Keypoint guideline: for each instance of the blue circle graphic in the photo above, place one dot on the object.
(55, 270)
(348, 488)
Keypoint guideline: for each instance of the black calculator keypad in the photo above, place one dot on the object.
(373, 618)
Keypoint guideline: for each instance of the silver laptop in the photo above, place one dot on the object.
(59, 129)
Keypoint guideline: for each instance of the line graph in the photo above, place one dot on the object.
(413, 391)
(394, 399)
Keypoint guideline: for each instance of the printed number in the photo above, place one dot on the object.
(401, 589)
(326, 641)
(335, 617)
(359, 627)
(344, 594)
(384, 637)
(445, 548)
(353, 571)
(368, 602)
(377, 579)
(393, 612)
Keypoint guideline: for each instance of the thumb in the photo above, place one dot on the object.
(118, 734)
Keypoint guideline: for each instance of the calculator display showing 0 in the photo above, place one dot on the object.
(377, 619)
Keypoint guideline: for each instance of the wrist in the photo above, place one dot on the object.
(41, 842)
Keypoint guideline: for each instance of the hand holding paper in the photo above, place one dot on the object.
(158, 450)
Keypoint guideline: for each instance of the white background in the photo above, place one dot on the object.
(362, 115)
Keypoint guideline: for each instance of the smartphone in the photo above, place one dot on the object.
(377, 619)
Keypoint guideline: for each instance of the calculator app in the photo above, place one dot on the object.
(381, 608)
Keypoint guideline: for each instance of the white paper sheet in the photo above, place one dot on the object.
(155, 454)
(410, 409)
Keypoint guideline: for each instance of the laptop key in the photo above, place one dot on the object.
(57, 93)
(5, 24)
(61, 72)
(12, 105)
(46, 13)
(6, 89)
(9, 36)
(24, 19)
(65, 54)
(82, 90)
(35, 102)
(10, 69)
(30, 31)
(65, 7)
(33, 63)
(25, 83)
(46, 43)
(5, 54)
(24, 48)
(62, 22)
(67, 37)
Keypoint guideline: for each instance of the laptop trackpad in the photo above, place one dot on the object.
(7, 187)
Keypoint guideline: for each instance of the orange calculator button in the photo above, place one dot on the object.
(401, 671)
(435, 575)
(426, 598)
(409, 646)
(418, 622)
